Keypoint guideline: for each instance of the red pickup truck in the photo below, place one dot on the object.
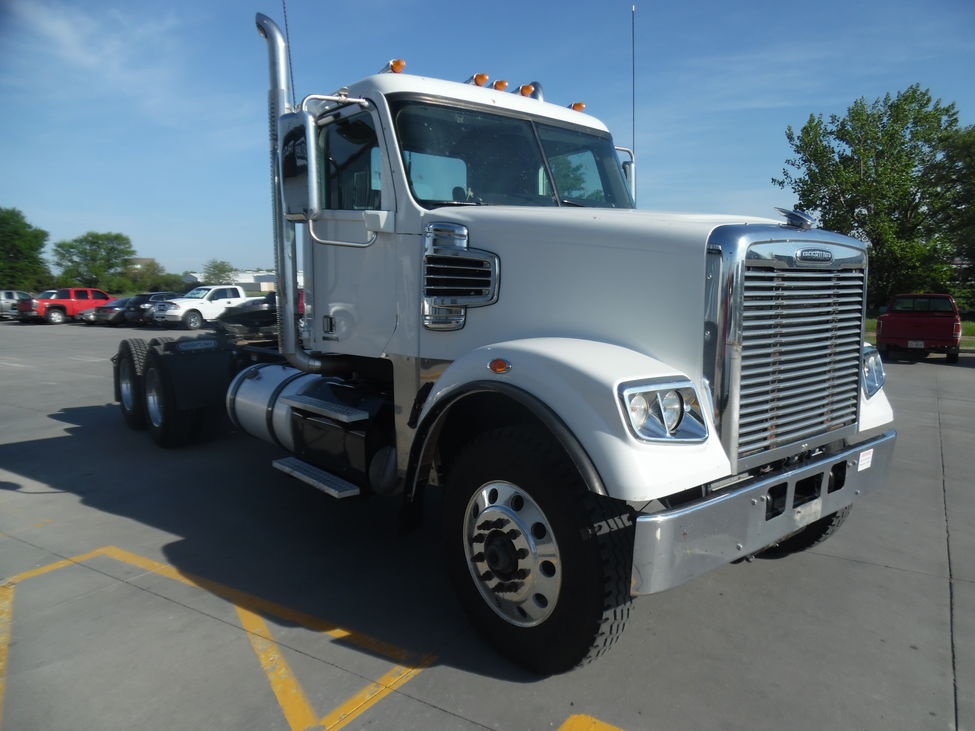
(920, 324)
(66, 304)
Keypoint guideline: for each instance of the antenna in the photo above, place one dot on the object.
(633, 76)
(287, 42)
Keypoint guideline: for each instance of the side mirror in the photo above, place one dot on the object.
(629, 169)
(300, 188)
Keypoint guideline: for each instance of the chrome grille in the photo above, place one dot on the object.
(800, 336)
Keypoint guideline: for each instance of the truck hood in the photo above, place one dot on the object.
(627, 277)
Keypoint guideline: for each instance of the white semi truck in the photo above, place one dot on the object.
(613, 401)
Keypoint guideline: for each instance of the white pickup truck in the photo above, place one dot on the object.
(199, 305)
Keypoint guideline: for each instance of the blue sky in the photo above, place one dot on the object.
(149, 119)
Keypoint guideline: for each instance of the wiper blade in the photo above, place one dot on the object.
(449, 203)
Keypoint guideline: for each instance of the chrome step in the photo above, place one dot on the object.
(337, 412)
(316, 477)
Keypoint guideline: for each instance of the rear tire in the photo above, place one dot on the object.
(952, 357)
(130, 367)
(540, 564)
(169, 425)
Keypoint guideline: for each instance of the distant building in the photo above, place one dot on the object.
(265, 281)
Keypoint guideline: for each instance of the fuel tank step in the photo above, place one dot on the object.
(336, 411)
(317, 478)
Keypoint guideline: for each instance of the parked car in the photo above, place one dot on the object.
(111, 313)
(256, 319)
(8, 302)
(920, 324)
(63, 305)
(87, 316)
(139, 309)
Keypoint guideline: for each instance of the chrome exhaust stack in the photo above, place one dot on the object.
(285, 256)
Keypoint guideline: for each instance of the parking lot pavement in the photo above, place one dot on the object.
(200, 588)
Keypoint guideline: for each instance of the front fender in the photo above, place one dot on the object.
(577, 380)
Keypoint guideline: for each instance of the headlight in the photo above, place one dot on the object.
(874, 375)
(663, 410)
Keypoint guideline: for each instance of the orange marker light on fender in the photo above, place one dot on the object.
(499, 366)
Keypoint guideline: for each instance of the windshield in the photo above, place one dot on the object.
(468, 157)
(196, 294)
(922, 304)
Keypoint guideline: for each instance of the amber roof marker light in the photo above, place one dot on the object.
(394, 66)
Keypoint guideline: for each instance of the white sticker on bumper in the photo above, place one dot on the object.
(866, 459)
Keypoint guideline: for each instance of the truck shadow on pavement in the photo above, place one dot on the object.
(247, 526)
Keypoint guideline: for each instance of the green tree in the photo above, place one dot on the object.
(96, 260)
(216, 271)
(21, 264)
(869, 174)
(955, 176)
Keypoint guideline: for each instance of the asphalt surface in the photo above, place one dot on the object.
(202, 589)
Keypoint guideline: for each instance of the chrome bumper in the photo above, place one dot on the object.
(674, 546)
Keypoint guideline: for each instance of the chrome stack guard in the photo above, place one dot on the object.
(674, 546)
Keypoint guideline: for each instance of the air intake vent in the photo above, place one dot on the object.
(455, 277)
(458, 277)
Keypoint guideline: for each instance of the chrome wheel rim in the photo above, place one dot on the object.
(512, 554)
(126, 374)
(154, 408)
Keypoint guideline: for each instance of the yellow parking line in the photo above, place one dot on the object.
(582, 722)
(373, 693)
(291, 697)
(258, 605)
(288, 691)
(6, 613)
(41, 570)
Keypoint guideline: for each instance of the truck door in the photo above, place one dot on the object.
(353, 286)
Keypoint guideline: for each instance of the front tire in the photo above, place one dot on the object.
(169, 425)
(55, 317)
(540, 564)
(192, 320)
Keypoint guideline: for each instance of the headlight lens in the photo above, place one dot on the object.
(874, 375)
(666, 410)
